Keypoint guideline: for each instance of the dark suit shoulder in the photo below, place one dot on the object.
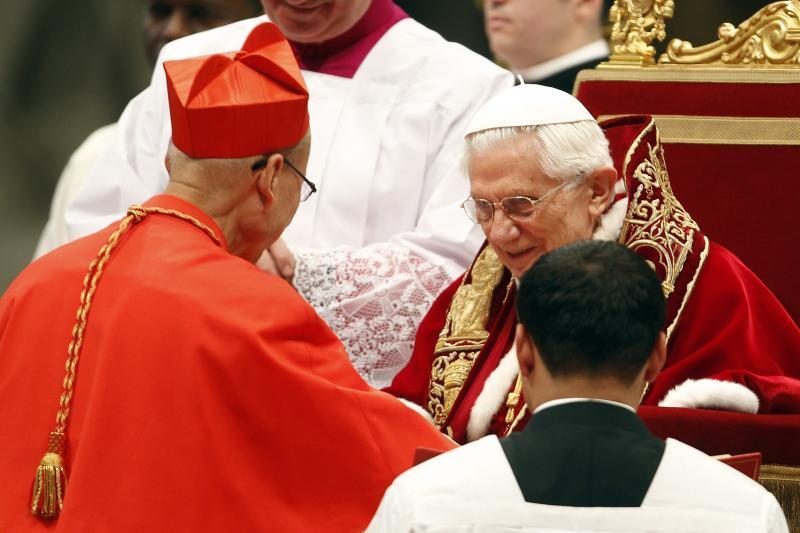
(584, 454)
(565, 79)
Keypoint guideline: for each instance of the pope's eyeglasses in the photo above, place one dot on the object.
(517, 208)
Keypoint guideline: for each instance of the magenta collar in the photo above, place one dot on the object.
(342, 55)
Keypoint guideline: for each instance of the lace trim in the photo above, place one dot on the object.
(373, 298)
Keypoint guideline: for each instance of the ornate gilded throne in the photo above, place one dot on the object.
(728, 114)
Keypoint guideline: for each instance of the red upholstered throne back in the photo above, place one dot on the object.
(732, 143)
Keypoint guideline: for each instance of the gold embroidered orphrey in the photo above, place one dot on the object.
(657, 221)
(464, 334)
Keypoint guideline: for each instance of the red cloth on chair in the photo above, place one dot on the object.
(721, 432)
(733, 329)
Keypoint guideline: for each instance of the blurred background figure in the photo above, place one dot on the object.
(460, 21)
(547, 41)
(164, 21)
(167, 20)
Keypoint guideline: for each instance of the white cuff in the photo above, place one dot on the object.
(416, 408)
(712, 394)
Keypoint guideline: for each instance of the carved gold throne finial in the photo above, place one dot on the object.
(635, 24)
(770, 37)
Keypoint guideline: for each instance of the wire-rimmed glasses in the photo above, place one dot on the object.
(517, 208)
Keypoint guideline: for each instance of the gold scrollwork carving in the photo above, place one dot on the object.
(464, 334)
(635, 24)
(770, 37)
(656, 220)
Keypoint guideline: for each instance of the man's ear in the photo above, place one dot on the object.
(602, 182)
(267, 177)
(525, 350)
(657, 359)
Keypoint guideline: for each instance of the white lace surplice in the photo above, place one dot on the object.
(374, 299)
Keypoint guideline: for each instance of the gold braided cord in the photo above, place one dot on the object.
(50, 479)
(89, 288)
(177, 214)
(135, 214)
(517, 420)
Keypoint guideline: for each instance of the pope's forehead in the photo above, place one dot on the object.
(510, 166)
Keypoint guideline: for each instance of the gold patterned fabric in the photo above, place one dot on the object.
(464, 334)
(656, 226)
(784, 483)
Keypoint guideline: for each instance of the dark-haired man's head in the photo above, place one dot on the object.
(591, 315)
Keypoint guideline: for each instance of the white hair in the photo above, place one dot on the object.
(564, 151)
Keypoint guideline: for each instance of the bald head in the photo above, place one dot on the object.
(252, 203)
(218, 177)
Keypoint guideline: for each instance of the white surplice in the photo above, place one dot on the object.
(385, 233)
(473, 489)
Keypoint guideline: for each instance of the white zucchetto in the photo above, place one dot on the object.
(528, 105)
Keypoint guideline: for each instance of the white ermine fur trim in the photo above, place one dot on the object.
(712, 394)
(611, 222)
(417, 409)
(494, 394)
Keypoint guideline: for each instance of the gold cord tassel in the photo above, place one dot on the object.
(50, 481)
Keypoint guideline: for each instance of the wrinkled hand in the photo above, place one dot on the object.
(278, 260)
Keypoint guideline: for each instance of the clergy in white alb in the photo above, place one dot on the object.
(474, 489)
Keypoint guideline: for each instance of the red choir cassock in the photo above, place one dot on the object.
(209, 394)
(722, 322)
